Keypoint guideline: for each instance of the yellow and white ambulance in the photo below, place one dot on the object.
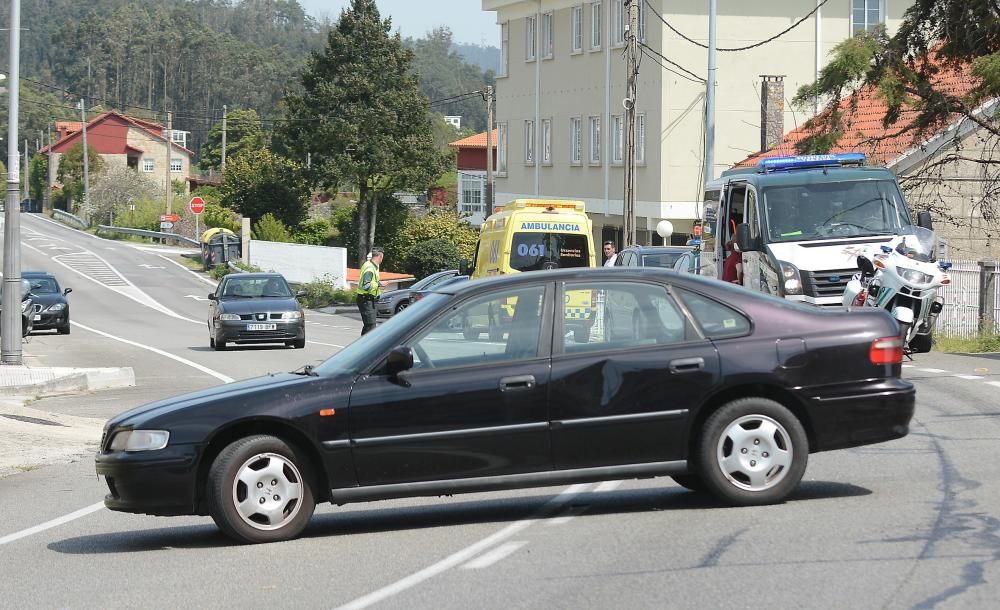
(535, 235)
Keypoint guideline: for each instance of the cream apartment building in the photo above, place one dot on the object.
(561, 83)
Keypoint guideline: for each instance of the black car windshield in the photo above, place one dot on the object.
(44, 285)
(855, 208)
(254, 287)
(361, 354)
(536, 251)
(665, 260)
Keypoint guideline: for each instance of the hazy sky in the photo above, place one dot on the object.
(468, 22)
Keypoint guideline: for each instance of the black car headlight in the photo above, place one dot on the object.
(291, 315)
(56, 307)
(139, 440)
(791, 279)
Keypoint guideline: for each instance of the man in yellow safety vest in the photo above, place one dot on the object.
(369, 289)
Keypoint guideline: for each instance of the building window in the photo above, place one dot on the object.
(148, 165)
(595, 26)
(577, 28)
(529, 38)
(617, 138)
(547, 141)
(529, 142)
(618, 22)
(640, 138)
(502, 148)
(176, 166)
(595, 139)
(547, 46)
(575, 141)
(472, 194)
(865, 15)
(504, 48)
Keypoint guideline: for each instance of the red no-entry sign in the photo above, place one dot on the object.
(197, 205)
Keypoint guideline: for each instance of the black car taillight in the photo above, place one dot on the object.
(887, 350)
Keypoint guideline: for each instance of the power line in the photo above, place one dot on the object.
(671, 70)
(735, 49)
(671, 62)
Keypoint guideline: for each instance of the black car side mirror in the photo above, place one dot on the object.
(463, 267)
(212, 297)
(300, 294)
(743, 239)
(866, 266)
(924, 220)
(67, 291)
(400, 359)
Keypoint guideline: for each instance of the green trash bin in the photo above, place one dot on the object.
(218, 247)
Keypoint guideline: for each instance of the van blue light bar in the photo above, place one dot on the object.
(807, 161)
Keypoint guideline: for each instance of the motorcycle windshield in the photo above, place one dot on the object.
(916, 243)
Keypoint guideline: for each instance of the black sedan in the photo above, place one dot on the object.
(725, 390)
(255, 308)
(395, 301)
(26, 305)
(50, 307)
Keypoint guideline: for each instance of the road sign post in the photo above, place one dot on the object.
(197, 206)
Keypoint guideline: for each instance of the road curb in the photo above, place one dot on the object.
(51, 381)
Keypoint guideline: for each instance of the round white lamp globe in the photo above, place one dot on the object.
(664, 228)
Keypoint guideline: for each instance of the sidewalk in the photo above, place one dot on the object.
(31, 438)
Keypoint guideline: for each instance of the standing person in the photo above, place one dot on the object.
(610, 253)
(732, 268)
(369, 289)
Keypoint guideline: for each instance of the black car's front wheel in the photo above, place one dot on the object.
(259, 490)
(752, 451)
(402, 305)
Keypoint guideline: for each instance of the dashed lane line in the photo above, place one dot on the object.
(490, 557)
(41, 527)
(932, 370)
(970, 377)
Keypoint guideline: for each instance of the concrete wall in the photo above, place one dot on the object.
(300, 263)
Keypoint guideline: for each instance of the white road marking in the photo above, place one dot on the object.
(566, 516)
(490, 557)
(995, 384)
(200, 277)
(83, 512)
(607, 486)
(148, 266)
(192, 364)
(459, 557)
(326, 344)
(932, 370)
(969, 377)
(907, 366)
(193, 296)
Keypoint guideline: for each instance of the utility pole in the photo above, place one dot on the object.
(27, 173)
(631, 71)
(170, 152)
(10, 318)
(86, 156)
(488, 203)
(223, 138)
(47, 196)
(710, 98)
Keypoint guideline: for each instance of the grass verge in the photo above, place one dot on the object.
(974, 345)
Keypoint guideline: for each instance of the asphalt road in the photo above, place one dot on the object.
(914, 523)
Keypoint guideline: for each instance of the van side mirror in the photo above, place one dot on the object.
(924, 220)
(463, 267)
(400, 359)
(743, 240)
(866, 266)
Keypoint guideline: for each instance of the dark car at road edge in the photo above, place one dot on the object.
(724, 390)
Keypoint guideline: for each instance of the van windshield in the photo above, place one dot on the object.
(537, 251)
(833, 209)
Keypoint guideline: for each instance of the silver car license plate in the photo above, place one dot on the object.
(262, 326)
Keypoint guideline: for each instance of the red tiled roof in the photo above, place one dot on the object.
(153, 129)
(862, 124)
(476, 141)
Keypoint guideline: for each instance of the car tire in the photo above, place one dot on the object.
(211, 341)
(220, 344)
(752, 451)
(63, 330)
(921, 344)
(260, 490)
(402, 305)
(299, 343)
(691, 482)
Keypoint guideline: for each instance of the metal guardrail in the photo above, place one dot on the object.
(69, 219)
(145, 233)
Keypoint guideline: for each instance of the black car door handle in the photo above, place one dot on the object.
(687, 365)
(517, 382)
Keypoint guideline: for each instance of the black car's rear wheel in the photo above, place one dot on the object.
(259, 490)
(402, 305)
(752, 451)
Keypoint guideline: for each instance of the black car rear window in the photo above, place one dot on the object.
(717, 321)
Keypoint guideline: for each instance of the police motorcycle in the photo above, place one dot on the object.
(904, 280)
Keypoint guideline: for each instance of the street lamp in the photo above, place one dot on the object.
(665, 229)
